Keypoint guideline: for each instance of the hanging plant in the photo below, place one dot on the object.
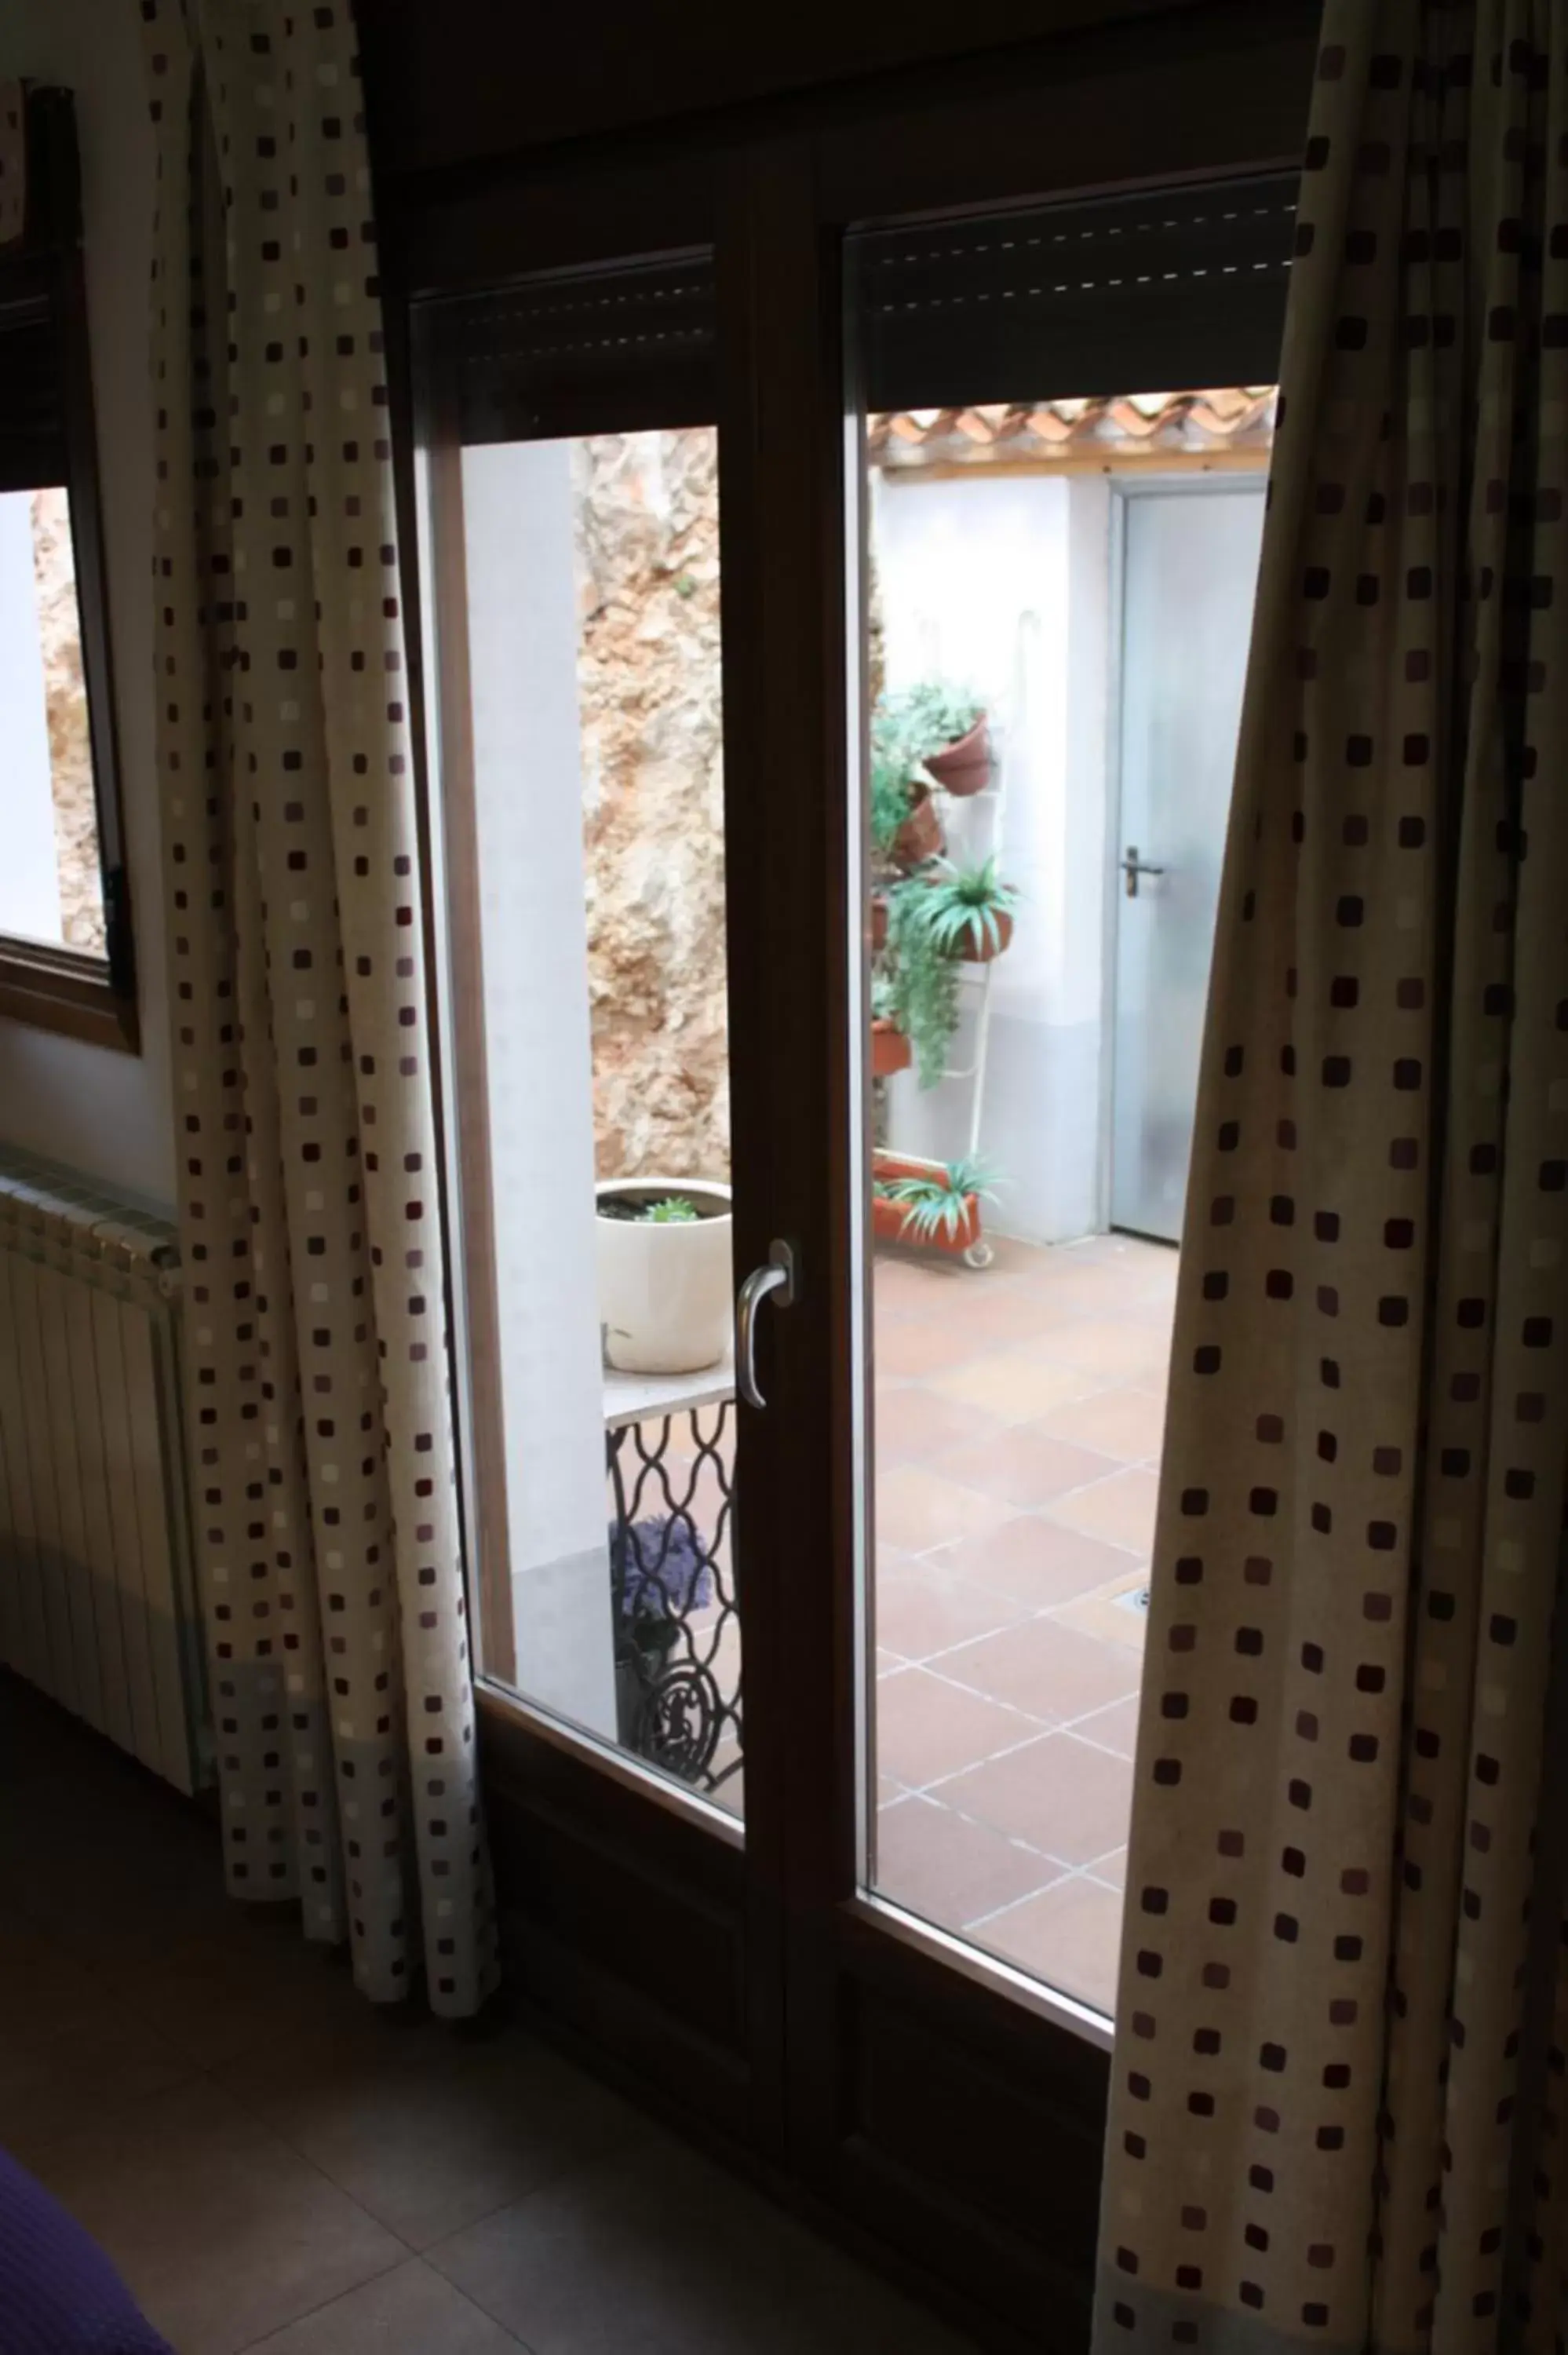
(938, 731)
(966, 910)
(922, 995)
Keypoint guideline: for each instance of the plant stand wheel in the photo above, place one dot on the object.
(979, 1254)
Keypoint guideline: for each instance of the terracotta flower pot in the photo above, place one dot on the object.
(963, 767)
(920, 836)
(888, 1217)
(890, 1051)
(981, 947)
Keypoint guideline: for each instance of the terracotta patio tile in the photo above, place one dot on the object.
(1088, 1289)
(1125, 1422)
(1056, 1794)
(1115, 1728)
(1046, 1668)
(947, 1871)
(1109, 1613)
(912, 1345)
(1016, 1390)
(925, 1610)
(997, 1318)
(903, 1287)
(1120, 1510)
(1035, 1561)
(914, 1423)
(1111, 1868)
(1068, 1935)
(926, 1728)
(1112, 1346)
(918, 1510)
(1024, 1466)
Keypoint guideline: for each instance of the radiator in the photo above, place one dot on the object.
(97, 1598)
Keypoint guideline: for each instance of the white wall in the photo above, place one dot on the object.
(527, 766)
(29, 876)
(1000, 582)
(108, 1114)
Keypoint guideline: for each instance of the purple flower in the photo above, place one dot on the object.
(663, 1572)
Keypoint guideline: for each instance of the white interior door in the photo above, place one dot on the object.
(1189, 574)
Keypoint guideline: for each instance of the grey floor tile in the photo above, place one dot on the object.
(410, 2311)
(428, 2133)
(658, 2252)
(101, 2058)
(222, 2232)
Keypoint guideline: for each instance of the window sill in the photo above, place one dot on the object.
(56, 989)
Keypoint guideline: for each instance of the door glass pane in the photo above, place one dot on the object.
(51, 880)
(572, 561)
(1065, 422)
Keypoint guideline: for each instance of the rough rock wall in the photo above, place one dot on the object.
(649, 698)
(70, 747)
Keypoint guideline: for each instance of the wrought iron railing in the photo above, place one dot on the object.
(677, 1618)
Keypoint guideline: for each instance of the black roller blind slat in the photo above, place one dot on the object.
(615, 351)
(33, 448)
(1113, 294)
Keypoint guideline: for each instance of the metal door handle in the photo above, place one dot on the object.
(775, 1281)
(1132, 866)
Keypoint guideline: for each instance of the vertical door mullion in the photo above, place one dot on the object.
(782, 507)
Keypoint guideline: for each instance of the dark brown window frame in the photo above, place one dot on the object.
(42, 280)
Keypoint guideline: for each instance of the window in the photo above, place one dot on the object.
(1061, 508)
(64, 940)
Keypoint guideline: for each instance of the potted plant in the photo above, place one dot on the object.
(665, 1283)
(906, 829)
(890, 1049)
(934, 1205)
(946, 732)
(921, 996)
(966, 911)
(657, 1573)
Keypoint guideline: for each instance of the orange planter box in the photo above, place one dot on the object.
(888, 1217)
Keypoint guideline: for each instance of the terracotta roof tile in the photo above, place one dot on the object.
(1122, 427)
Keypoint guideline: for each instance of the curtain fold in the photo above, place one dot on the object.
(1337, 2096)
(321, 1431)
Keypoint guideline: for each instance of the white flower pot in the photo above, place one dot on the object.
(666, 1293)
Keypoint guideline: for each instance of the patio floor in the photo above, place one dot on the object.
(1019, 1420)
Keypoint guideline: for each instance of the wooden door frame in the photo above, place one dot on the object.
(632, 1911)
(918, 2094)
(947, 2104)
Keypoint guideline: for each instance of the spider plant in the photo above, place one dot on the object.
(961, 907)
(922, 997)
(937, 1202)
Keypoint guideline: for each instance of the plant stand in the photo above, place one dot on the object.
(976, 1253)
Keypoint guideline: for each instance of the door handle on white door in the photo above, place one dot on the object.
(776, 1281)
(1132, 866)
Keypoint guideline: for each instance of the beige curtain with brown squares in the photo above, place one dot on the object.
(1338, 2111)
(321, 1428)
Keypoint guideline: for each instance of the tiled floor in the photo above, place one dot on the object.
(1019, 1416)
(272, 2164)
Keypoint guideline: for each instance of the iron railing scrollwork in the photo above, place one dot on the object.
(676, 1614)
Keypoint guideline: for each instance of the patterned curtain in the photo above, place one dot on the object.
(1337, 2112)
(319, 1415)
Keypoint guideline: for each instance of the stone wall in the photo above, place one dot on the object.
(649, 701)
(70, 747)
